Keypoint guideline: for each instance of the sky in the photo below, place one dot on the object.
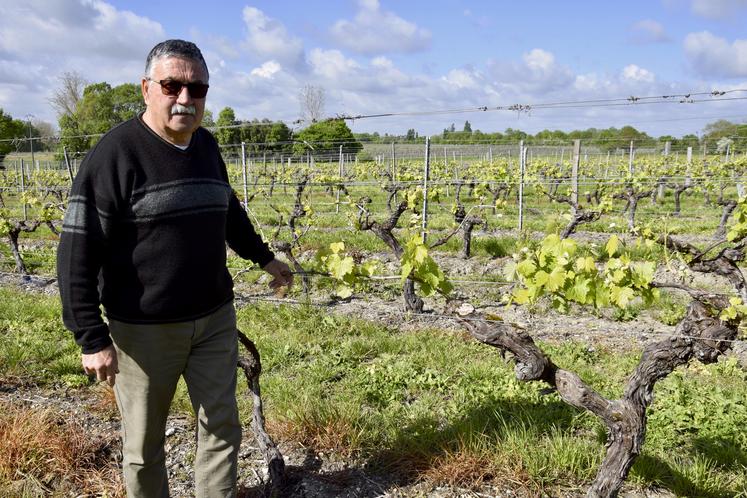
(416, 56)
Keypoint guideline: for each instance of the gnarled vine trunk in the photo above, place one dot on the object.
(252, 368)
(727, 209)
(699, 335)
(384, 231)
(14, 232)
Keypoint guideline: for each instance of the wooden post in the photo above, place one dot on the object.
(394, 170)
(244, 174)
(630, 158)
(426, 174)
(394, 163)
(660, 191)
(67, 163)
(688, 180)
(574, 174)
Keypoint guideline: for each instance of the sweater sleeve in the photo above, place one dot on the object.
(80, 258)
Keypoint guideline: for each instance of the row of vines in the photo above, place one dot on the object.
(694, 212)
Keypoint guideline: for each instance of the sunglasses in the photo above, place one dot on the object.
(173, 88)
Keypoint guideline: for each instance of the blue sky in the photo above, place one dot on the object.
(377, 56)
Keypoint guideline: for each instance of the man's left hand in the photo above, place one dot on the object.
(282, 276)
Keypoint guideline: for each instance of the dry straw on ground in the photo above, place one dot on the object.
(44, 451)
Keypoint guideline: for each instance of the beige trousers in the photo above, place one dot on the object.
(151, 360)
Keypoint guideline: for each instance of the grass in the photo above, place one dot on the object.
(33, 342)
(426, 404)
(43, 453)
(435, 406)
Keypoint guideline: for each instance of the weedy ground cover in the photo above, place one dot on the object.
(425, 403)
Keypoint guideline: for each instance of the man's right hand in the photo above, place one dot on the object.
(102, 364)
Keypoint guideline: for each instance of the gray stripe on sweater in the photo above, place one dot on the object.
(83, 218)
(179, 198)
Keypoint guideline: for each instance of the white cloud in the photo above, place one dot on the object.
(461, 79)
(375, 31)
(539, 60)
(41, 39)
(638, 74)
(382, 62)
(648, 31)
(85, 28)
(261, 92)
(268, 38)
(266, 70)
(717, 9)
(332, 64)
(710, 55)
(538, 73)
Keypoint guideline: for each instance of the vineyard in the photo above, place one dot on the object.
(607, 284)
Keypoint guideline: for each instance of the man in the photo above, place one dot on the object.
(145, 235)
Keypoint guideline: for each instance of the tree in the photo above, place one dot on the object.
(127, 102)
(9, 128)
(225, 136)
(718, 129)
(99, 110)
(207, 119)
(467, 127)
(65, 99)
(42, 129)
(724, 144)
(411, 135)
(278, 137)
(514, 135)
(312, 100)
(686, 141)
(259, 135)
(326, 138)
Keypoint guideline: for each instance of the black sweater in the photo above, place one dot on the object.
(145, 234)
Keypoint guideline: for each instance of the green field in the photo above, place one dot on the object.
(423, 400)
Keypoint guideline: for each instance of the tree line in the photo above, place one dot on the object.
(603, 138)
(88, 110)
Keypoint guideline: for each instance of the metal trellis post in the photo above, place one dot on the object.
(425, 184)
(342, 173)
(522, 166)
(23, 189)
(574, 174)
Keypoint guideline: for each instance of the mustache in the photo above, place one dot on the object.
(183, 109)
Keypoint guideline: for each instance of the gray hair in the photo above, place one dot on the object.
(174, 48)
